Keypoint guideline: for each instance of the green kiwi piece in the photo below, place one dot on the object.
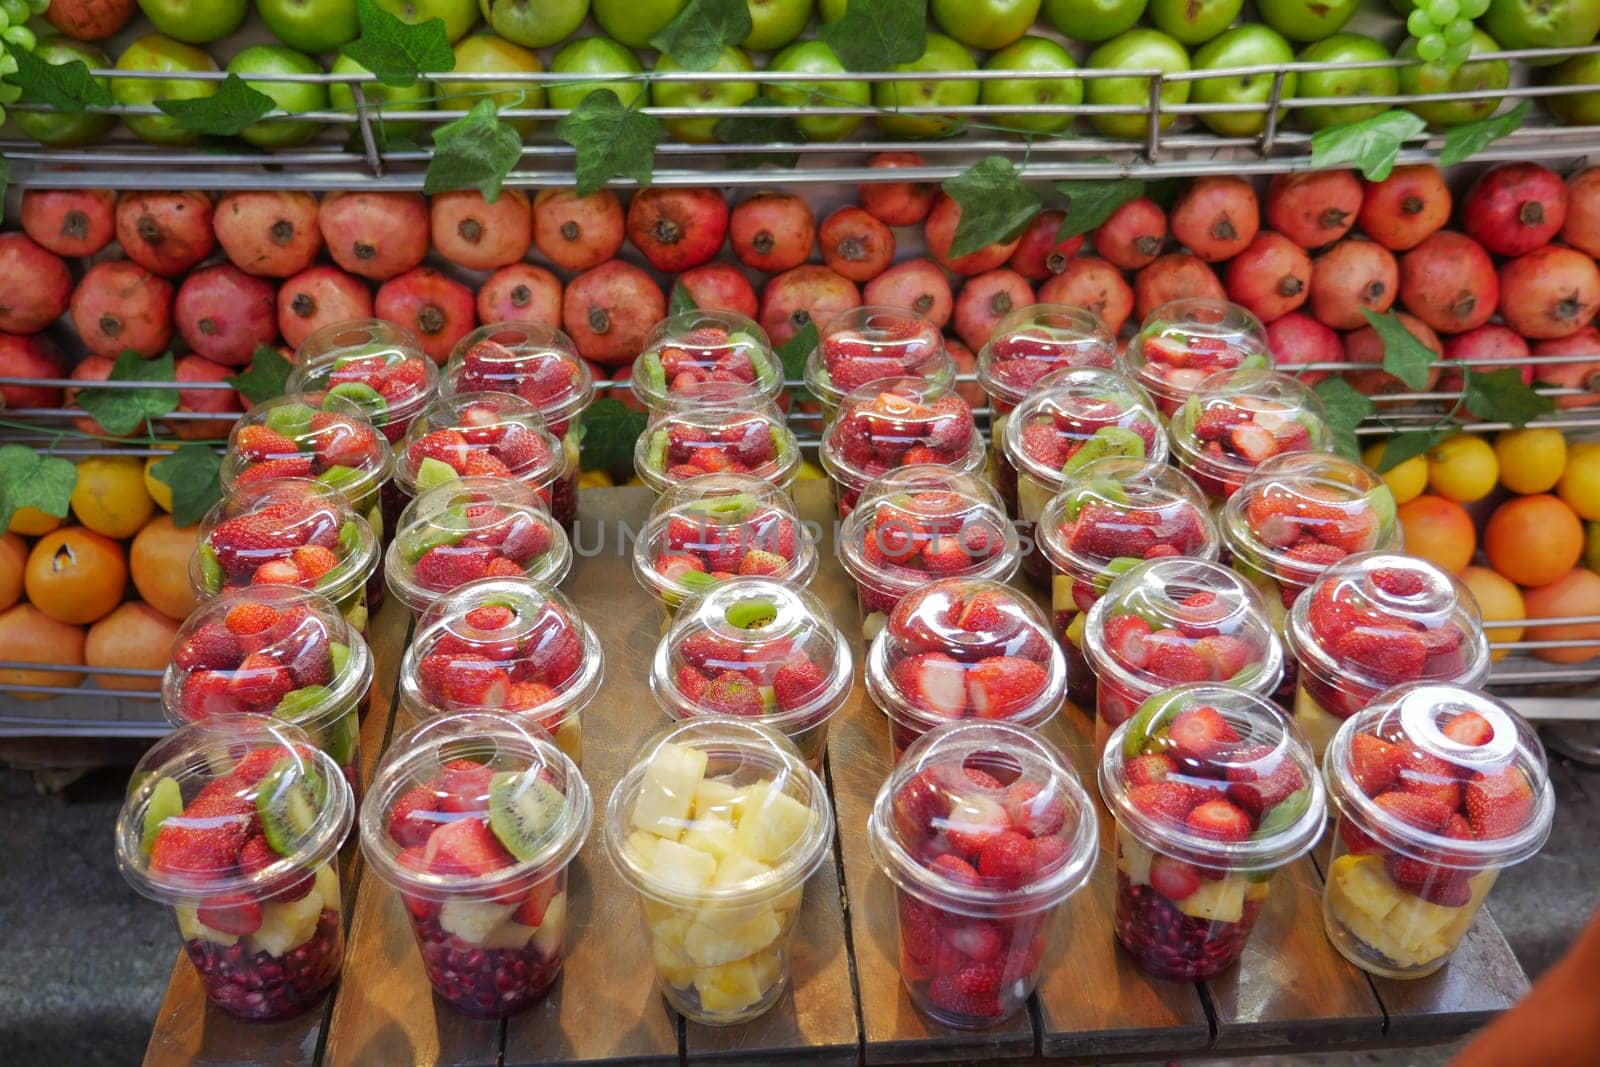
(654, 373)
(339, 477)
(363, 396)
(1382, 501)
(166, 802)
(1153, 715)
(339, 738)
(349, 538)
(1254, 361)
(1106, 441)
(340, 653)
(1114, 569)
(291, 420)
(296, 704)
(446, 528)
(523, 808)
(751, 614)
(695, 582)
(656, 459)
(287, 805)
(210, 567)
(727, 508)
(434, 472)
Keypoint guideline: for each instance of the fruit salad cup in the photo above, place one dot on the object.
(289, 531)
(1182, 342)
(717, 430)
(964, 648)
(1237, 420)
(869, 343)
(985, 831)
(918, 524)
(1212, 791)
(686, 350)
(1171, 621)
(474, 819)
(897, 422)
(717, 824)
(1436, 788)
(710, 528)
(236, 824)
(1374, 621)
(509, 645)
(469, 529)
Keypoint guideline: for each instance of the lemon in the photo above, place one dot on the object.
(1579, 485)
(600, 479)
(1406, 479)
(110, 497)
(1463, 468)
(31, 522)
(159, 490)
(1531, 460)
(809, 472)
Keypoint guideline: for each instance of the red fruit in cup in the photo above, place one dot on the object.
(1270, 278)
(375, 235)
(1297, 338)
(1133, 235)
(120, 305)
(473, 233)
(317, 297)
(1581, 229)
(224, 313)
(720, 287)
(1448, 282)
(272, 234)
(1173, 277)
(608, 311)
(898, 203)
(807, 294)
(677, 229)
(940, 231)
(1348, 277)
(577, 232)
(1551, 292)
(1094, 285)
(772, 232)
(1404, 208)
(435, 307)
(1364, 346)
(33, 356)
(165, 233)
(70, 222)
(1216, 218)
(1515, 208)
(1039, 254)
(520, 292)
(987, 299)
(855, 244)
(1489, 341)
(1313, 208)
(39, 286)
(194, 368)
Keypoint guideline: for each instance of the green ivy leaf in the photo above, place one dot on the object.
(1346, 409)
(696, 37)
(1402, 446)
(224, 113)
(995, 205)
(265, 378)
(1091, 203)
(193, 472)
(476, 151)
(679, 300)
(610, 430)
(397, 52)
(122, 411)
(612, 141)
(1404, 356)
(66, 87)
(29, 480)
(794, 352)
(760, 129)
(1370, 145)
(1501, 396)
(1463, 142)
(878, 34)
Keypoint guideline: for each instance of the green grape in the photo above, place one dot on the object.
(1443, 12)
(9, 94)
(1472, 9)
(16, 9)
(38, 7)
(1458, 32)
(5, 19)
(1456, 54)
(1418, 22)
(20, 37)
(8, 63)
(1430, 47)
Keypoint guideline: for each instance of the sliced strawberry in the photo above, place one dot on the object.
(259, 683)
(1003, 686)
(531, 911)
(762, 563)
(1388, 655)
(1252, 443)
(1169, 800)
(956, 869)
(447, 446)
(1199, 734)
(255, 444)
(1257, 789)
(1469, 728)
(295, 467)
(732, 693)
(257, 856)
(1425, 774)
(237, 914)
(1174, 659)
(709, 652)
(919, 805)
(1219, 820)
(444, 567)
(1032, 812)
(797, 683)
(213, 646)
(1225, 655)
(1148, 769)
(933, 682)
(975, 939)
(250, 618)
(465, 847)
(465, 680)
(1008, 860)
(407, 824)
(1375, 763)
(1126, 639)
(1500, 803)
(972, 822)
(1173, 878)
(462, 786)
(1416, 809)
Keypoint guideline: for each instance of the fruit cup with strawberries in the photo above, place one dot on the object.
(964, 648)
(686, 350)
(510, 645)
(1377, 620)
(288, 531)
(469, 529)
(1182, 342)
(713, 527)
(897, 422)
(718, 824)
(1437, 788)
(985, 831)
(236, 824)
(759, 649)
(870, 343)
(1237, 420)
(918, 524)
(1212, 791)
(1171, 621)
(719, 429)
(376, 365)
(474, 819)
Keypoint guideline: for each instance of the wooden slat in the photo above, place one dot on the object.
(1481, 979)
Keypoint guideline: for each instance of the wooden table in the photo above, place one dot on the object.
(846, 1005)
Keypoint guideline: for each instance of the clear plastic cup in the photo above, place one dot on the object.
(1171, 621)
(273, 650)
(985, 831)
(1374, 621)
(897, 422)
(717, 430)
(1437, 788)
(509, 645)
(1237, 420)
(709, 528)
(686, 350)
(378, 366)
(964, 648)
(288, 531)
(1212, 791)
(869, 343)
(1182, 342)
(235, 823)
(918, 524)
(717, 825)
(758, 649)
(469, 529)
(474, 820)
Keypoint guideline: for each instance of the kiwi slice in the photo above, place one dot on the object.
(1114, 569)
(751, 614)
(446, 528)
(210, 567)
(339, 477)
(349, 537)
(1283, 814)
(522, 809)
(780, 446)
(298, 703)
(654, 373)
(1381, 500)
(1152, 716)
(730, 508)
(166, 802)
(340, 654)
(695, 582)
(434, 472)
(656, 458)
(287, 804)
(363, 396)
(291, 420)
(339, 738)
(1106, 441)
(1254, 361)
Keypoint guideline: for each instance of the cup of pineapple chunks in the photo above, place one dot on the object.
(718, 824)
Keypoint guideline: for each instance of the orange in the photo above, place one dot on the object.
(13, 557)
(31, 522)
(28, 635)
(1575, 593)
(159, 560)
(1499, 600)
(1438, 530)
(135, 635)
(1533, 540)
(75, 575)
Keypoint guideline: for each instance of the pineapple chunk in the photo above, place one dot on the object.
(771, 823)
(667, 791)
(768, 967)
(722, 935)
(736, 868)
(286, 926)
(670, 931)
(715, 797)
(1133, 859)
(1061, 593)
(1360, 882)
(680, 867)
(1221, 901)
(712, 833)
(655, 911)
(327, 887)
(192, 929)
(673, 966)
(1319, 725)
(1031, 498)
(509, 934)
(550, 933)
(1255, 892)
(727, 989)
(640, 846)
(473, 921)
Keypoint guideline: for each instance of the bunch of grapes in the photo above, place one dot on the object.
(14, 35)
(1443, 29)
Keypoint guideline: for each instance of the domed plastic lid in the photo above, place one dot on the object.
(866, 344)
(719, 429)
(375, 364)
(1382, 618)
(755, 648)
(1037, 340)
(1170, 621)
(1300, 512)
(984, 819)
(474, 528)
(536, 362)
(1443, 772)
(473, 806)
(709, 528)
(1215, 775)
(899, 422)
(1114, 512)
(924, 522)
(269, 650)
(321, 435)
(283, 531)
(494, 435)
(966, 648)
(1184, 341)
(1237, 420)
(686, 350)
(237, 807)
(1074, 417)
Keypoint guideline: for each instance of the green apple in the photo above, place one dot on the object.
(815, 57)
(311, 25)
(534, 23)
(1193, 21)
(195, 21)
(158, 53)
(1542, 23)
(57, 128)
(702, 94)
(774, 23)
(1343, 48)
(832, 10)
(458, 16)
(1578, 109)
(483, 54)
(1250, 45)
(1493, 74)
(418, 96)
(985, 24)
(941, 54)
(288, 96)
(1047, 62)
(1093, 20)
(1306, 20)
(602, 57)
(1138, 49)
(634, 22)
